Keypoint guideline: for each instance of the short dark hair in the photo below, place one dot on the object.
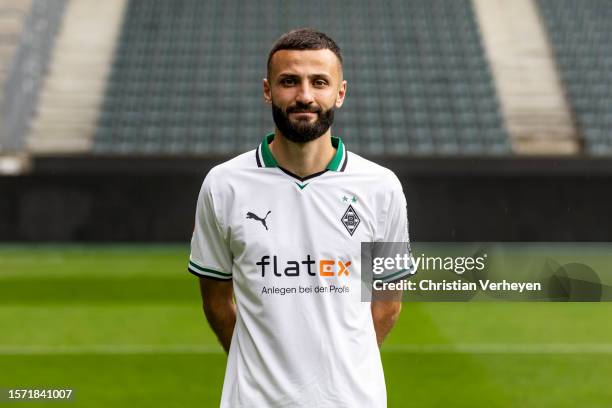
(304, 39)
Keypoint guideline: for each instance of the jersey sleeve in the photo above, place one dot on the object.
(394, 239)
(210, 252)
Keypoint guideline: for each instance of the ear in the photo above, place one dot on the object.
(267, 92)
(341, 94)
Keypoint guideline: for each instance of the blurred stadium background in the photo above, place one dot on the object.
(495, 114)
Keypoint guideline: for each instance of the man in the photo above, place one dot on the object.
(279, 229)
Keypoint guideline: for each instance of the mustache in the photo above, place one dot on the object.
(303, 109)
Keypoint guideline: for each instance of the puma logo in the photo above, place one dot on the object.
(252, 216)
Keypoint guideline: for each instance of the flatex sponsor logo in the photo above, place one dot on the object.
(270, 265)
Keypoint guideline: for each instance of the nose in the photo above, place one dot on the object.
(305, 95)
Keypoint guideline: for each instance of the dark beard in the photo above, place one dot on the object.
(303, 131)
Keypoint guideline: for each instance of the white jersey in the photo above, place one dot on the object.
(291, 246)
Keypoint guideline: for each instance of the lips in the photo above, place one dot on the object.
(303, 109)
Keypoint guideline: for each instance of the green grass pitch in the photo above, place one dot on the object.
(122, 326)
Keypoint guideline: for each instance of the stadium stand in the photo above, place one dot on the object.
(179, 90)
(531, 95)
(26, 70)
(74, 86)
(581, 35)
(12, 16)
(186, 78)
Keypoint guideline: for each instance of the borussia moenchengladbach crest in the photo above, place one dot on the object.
(350, 220)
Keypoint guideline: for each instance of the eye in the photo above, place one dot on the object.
(287, 81)
(320, 83)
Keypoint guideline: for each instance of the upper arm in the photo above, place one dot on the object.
(210, 245)
(216, 293)
(385, 308)
(392, 238)
(387, 301)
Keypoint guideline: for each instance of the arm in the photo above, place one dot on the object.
(387, 304)
(219, 308)
(385, 314)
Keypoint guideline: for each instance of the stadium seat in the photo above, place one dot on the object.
(581, 36)
(187, 77)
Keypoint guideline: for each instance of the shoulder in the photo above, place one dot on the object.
(219, 176)
(241, 162)
(367, 169)
(245, 161)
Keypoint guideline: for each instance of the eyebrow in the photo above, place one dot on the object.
(313, 76)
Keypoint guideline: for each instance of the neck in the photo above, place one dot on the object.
(303, 159)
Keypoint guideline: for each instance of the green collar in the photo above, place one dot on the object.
(334, 165)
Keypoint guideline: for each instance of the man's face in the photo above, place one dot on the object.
(304, 88)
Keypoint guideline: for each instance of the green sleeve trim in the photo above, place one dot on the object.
(394, 275)
(198, 268)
